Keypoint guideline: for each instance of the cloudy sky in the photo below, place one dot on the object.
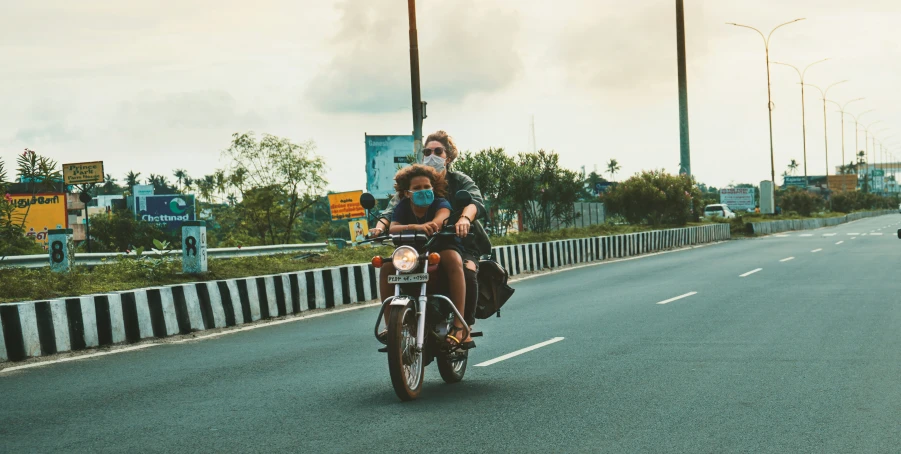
(155, 85)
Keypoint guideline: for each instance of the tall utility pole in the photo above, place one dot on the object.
(414, 79)
(684, 145)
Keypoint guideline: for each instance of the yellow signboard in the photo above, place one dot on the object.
(83, 172)
(346, 205)
(842, 182)
(42, 212)
(358, 230)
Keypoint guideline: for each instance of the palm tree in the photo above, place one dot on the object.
(180, 175)
(793, 166)
(109, 184)
(613, 167)
(131, 179)
(189, 183)
(220, 181)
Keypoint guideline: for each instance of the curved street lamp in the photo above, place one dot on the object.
(801, 74)
(866, 143)
(825, 131)
(769, 96)
(841, 108)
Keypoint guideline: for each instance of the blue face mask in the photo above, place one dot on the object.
(423, 198)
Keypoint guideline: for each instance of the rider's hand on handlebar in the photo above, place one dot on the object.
(429, 228)
(463, 226)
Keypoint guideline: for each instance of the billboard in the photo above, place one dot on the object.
(46, 211)
(738, 198)
(167, 211)
(798, 182)
(842, 182)
(383, 155)
(83, 172)
(346, 205)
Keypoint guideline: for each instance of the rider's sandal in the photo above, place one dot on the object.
(454, 340)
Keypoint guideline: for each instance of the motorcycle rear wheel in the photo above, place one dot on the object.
(404, 363)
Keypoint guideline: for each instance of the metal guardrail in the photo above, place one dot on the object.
(99, 258)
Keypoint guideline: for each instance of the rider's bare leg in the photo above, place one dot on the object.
(453, 266)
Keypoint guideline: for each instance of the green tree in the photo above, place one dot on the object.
(120, 231)
(36, 173)
(109, 186)
(180, 175)
(543, 191)
(655, 198)
(491, 170)
(131, 180)
(287, 179)
(793, 166)
(613, 167)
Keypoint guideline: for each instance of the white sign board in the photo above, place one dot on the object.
(738, 198)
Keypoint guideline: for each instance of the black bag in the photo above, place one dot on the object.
(493, 289)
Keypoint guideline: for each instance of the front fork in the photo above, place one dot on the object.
(420, 314)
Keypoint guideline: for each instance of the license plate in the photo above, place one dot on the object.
(408, 278)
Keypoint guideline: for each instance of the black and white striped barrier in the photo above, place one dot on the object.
(37, 328)
(520, 258)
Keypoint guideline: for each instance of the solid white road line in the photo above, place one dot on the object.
(817, 250)
(787, 259)
(678, 298)
(750, 272)
(840, 242)
(519, 352)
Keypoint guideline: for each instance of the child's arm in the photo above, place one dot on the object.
(440, 217)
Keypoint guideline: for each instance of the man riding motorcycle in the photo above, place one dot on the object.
(439, 153)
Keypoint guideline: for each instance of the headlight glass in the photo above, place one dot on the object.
(405, 259)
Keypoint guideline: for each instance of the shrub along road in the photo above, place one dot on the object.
(783, 344)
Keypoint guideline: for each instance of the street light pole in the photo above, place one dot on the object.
(825, 130)
(803, 115)
(841, 108)
(769, 95)
(414, 78)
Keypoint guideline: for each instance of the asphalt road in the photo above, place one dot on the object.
(803, 355)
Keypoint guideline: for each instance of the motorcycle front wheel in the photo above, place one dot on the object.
(452, 367)
(404, 361)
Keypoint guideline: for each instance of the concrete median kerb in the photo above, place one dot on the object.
(771, 227)
(71, 325)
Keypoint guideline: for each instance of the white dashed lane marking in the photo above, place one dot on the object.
(750, 272)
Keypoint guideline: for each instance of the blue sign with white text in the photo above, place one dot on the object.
(168, 211)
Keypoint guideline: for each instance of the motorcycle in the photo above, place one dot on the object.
(419, 318)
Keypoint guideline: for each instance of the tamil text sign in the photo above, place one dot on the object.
(383, 155)
(738, 198)
(346, 205)
(169, 211)
(83, 172)
(42, 212)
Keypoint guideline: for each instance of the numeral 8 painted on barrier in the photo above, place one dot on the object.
(191, 245)
(57, 255)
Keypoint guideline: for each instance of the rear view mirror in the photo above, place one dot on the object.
(462, 199)
(367, 201)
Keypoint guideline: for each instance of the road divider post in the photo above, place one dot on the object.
(61, 249)
(193, 247)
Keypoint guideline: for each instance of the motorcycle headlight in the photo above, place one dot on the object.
(405, 259)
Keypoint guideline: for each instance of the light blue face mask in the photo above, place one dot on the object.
(423, 198)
